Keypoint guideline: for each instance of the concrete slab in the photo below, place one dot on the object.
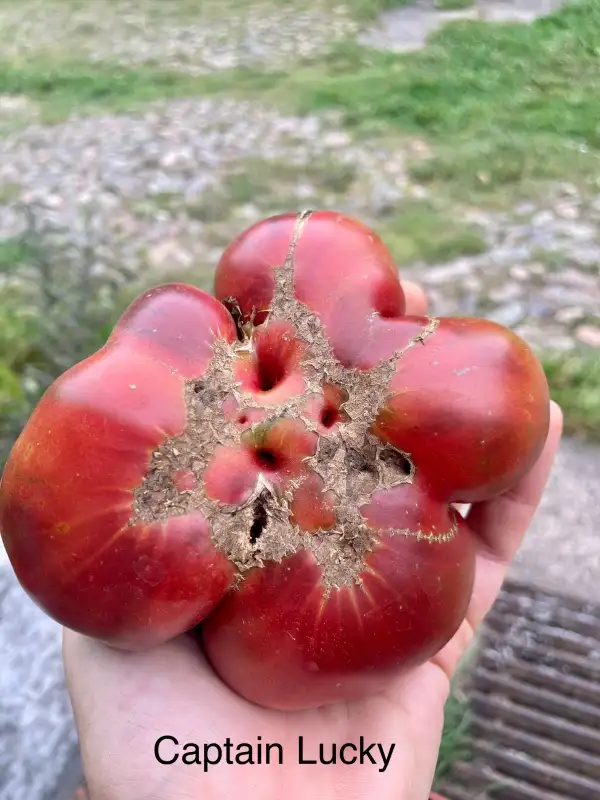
(561, 551)
(38, 744)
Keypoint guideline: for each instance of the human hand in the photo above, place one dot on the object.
(124, 702)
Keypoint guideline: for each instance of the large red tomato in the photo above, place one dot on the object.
(278, 464)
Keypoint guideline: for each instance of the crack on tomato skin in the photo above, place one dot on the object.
(261, 518)
(350, 460)
(232, 305)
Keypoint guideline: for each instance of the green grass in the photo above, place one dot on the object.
(262, 181)
(9, 192)
(422, 232)
(269, 184)
(474, 77)
(65, 88)
(14, 253)
(361, 10)
(369, 10)
(504, 105)
(494, 170)
(574, 380)
(453, 5)
(455, 744)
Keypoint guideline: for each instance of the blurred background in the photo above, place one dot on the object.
(137, 137)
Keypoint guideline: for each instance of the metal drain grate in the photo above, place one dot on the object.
(535, 702)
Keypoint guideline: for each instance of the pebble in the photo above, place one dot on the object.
(542, 218)
(519, 272)
(560, 295)
(570, 276)
(536, 268)
(567, 211)
(575, 230)
(385, 198)
(304, 191)
(524, 209)
(509, 314)
(14, 103)
(568, 189)
(588, 335)
(178, 160)
(336, 139)
(448, 272)
(569, 314)
(169, 254)
(507, 291)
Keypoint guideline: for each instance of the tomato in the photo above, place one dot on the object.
(275, 468)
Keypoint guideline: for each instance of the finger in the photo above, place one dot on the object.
(498, 527)
(416, 299)
(500, 524)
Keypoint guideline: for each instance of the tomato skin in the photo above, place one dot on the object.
(467, 404)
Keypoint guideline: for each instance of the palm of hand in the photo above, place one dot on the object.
(124, 702)
(170, 691)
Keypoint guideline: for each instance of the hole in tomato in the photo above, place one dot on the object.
(332, 411)
(388, 299)
(396, 461)
(276, 355)
(267, 459)
(243, 419)
(368, 468)
(260, 520)
(271, 371)
(329, 417)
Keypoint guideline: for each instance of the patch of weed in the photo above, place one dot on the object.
(505, 105)
(453, 5)
(65, 88)
(370, 10)
(14, 252)
(213, 205)
(574, 380)
(455, 744)
(420, 232)
(9, 192)
(271, 183)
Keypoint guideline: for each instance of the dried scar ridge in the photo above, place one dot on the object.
(349, 460)
(429, 536)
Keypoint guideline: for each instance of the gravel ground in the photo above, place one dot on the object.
(157, 190)
(188, 36)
